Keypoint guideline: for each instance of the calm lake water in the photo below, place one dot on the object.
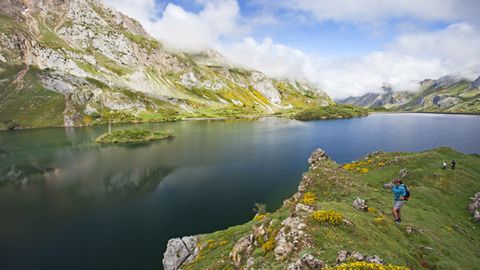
(77, 205)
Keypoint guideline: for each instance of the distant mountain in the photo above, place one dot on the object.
(76, 62)
(447, 94)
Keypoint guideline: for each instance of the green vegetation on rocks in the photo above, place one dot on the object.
(437, 230)
(336, 111)
(134, 136)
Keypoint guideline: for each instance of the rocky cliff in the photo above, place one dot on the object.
(76, 62)
(447, 94)
(340, 218)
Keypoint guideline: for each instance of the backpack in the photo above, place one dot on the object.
(407, 193)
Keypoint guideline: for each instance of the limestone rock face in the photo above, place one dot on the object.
(290, 237)
(180, 251)
(242, 250)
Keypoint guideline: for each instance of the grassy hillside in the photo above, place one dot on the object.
(436, 232)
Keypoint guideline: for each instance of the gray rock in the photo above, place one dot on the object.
(374, 259)
(344, 255)
(360, 204)
(242, 250)
(403, 173)
(306, 262)
(474, 207)
(475, 84)
(180, 251)
(290, 237)
(317, 156)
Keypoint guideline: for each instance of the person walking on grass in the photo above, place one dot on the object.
(444, 165)
(453, 164)
(400, 196)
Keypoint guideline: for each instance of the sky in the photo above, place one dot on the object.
(347, 47)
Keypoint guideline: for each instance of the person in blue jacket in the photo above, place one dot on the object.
(399, 196)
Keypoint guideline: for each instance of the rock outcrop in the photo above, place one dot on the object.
(317, 155)
(474, 207)
(343, 256)
(180, 251)
(307, 262)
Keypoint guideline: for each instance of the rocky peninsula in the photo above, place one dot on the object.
(340, 219)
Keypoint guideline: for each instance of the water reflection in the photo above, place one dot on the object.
(66, 202)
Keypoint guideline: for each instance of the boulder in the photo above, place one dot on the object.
(180, 251)
(403, 173)
(360, 204)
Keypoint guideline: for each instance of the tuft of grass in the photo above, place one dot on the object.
(134, 136)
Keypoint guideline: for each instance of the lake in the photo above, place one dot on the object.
(78, 205)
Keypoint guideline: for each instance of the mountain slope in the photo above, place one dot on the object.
(447, 94)
(76, 62)
(319, 225)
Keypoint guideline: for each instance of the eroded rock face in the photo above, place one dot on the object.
(290, 237)
(242, 250)
(474, 207)
(180, 251)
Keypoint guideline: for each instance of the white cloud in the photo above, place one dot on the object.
(183, 30)
(275, 59)
(372, 11)
(405, 62)
(410, 58)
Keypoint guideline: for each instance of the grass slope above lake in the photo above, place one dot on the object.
(134, 136)
(437, 231)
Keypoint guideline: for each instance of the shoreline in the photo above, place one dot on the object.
(229, 118)
(405, 112)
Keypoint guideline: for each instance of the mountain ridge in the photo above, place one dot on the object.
(75, 63)
(449, 94)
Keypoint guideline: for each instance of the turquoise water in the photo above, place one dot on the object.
(66, 203)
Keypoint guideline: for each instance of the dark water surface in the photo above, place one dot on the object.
(76, 205)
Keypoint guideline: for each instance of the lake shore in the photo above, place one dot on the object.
(320, 222)
(228, 118)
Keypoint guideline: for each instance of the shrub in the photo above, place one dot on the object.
(366, 266)
(309, 198)
(328, 217)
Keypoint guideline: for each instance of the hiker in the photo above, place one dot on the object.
(453, 164)
(444, 165)
(400, 197)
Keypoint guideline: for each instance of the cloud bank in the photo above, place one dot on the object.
(409, 58)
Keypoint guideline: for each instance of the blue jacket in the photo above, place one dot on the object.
(399, 191)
